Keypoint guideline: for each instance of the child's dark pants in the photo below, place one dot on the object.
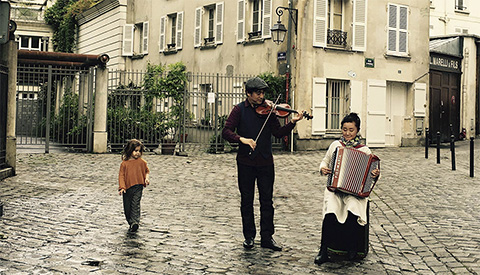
(131, 204)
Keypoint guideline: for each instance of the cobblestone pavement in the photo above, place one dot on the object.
(62, 214)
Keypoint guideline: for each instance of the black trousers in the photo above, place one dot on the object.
(264, 176)
(131, 203)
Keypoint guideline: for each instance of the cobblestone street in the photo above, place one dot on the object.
(62, 214)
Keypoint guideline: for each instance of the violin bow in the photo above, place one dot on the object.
(266, 120)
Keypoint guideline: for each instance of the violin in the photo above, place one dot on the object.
(280, 110)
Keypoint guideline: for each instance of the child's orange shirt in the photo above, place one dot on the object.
(132, 172)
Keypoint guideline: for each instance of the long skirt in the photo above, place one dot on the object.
(340, 239)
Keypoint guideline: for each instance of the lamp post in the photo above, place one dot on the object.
(278, 34)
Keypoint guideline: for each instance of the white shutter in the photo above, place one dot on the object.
(359, 25)
(179, 40)
(376, 112)
(356, 96)
(241, 21)
(403, 30)
(392, 28)
(127, 47)
(197, 36)
(163, 21)
(267, 18)
(320, 23)
(420, 98)
(219, 23)
(319, 105)
(145, 38)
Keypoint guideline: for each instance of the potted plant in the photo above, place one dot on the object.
(217, 143)
(168, 82)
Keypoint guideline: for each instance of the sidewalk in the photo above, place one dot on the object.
(62, 215)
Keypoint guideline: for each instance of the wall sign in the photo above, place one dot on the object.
(445, 63)
(370, 62)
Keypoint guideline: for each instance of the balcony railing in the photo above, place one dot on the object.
(337, 38)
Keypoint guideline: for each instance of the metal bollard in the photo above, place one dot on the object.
(471, 157)
(427, 141)
(452, 150)
(438, 147)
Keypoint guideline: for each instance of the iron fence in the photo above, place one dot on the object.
(54, 106)
(208, 100)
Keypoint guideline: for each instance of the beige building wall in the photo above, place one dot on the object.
(448, 17)
(391, 96)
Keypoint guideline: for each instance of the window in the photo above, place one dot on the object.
(171, 32)
(461, 30)
(32, 43)
(254, 19)
(332, 21)
(460, 5)
(135, 39)
(397, 30)
(209, 25)
(337, 100)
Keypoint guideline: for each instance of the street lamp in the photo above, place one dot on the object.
(279, 31)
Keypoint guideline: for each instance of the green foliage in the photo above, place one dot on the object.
(62, 16)
(68, 126)
(276, 84)
(167, 82)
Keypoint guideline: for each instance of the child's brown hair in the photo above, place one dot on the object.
(130, 147)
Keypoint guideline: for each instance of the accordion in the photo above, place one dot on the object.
(352, 172)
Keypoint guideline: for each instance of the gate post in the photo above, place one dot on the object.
(100, 120)
(9, 54)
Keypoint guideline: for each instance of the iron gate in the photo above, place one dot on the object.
(3, 114)
(54, 107)
(208, 100)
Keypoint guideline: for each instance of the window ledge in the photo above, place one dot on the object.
(253, 41)
(466, 12)
(138, 55)
(398, 56)
(208, 47)
(169, 52)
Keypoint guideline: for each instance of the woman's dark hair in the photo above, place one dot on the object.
(130, 147)
(352, 117)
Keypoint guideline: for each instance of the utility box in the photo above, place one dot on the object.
(4, 22)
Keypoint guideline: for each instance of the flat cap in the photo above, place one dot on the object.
(255, 84)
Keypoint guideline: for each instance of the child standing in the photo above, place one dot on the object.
(132, 177)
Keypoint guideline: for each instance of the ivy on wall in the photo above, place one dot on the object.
(62, 16)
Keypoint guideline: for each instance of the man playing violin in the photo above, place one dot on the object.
(255, 160)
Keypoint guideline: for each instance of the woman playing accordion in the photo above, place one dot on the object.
(345, 216)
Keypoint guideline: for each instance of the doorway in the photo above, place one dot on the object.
(395, 111)
(444, 105)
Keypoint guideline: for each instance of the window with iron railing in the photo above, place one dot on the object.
(337, 38)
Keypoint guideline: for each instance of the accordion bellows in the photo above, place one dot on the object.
(352, 172)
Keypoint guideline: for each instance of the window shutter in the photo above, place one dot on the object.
(145, 38)
(392, 28)
(319, 104)
(420, 90)
(320, 23)
(267, 18)
(241, 21)
(403, 30)
(219, 23)
(359, 25)
(163, 21)
(127, 49)
(197, 36)
(179, 41)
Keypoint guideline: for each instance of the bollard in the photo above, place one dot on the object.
(438, 147)
(452, 150)
(426, 143)
(471, 157)
(451, 133)
(1, 209)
